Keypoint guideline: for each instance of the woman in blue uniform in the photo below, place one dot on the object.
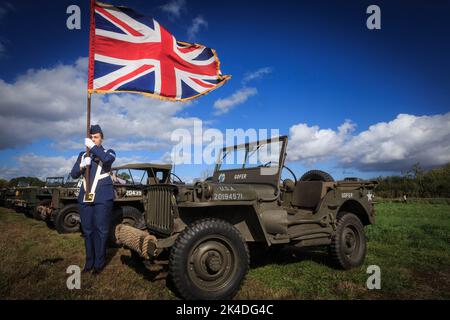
(95, 213)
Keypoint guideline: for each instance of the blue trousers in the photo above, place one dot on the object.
(95, 224)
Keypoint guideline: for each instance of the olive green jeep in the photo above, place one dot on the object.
(203, 231)
(29, 198)
(128, 181)
(7, 196)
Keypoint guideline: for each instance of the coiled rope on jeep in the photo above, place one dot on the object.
(137, 240)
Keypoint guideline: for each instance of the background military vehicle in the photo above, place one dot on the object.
(63, 195)
(7, 196)
(205, 230)
(29, 198)
(2, 196)
(13, 194)
(129, 181)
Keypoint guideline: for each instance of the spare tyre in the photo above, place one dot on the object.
(317, 175)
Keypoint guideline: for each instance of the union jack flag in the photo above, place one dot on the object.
(129, 52)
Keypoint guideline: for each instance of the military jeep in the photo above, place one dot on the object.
(29, 198)
(61, 196)
(205, 229)
(128, 180)
(7, 198)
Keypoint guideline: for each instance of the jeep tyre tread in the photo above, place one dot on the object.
(209, 260)
(348, 246)
(63, 220)
(317, 175)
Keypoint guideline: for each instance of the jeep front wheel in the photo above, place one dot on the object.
(348, 246)
(209, 260)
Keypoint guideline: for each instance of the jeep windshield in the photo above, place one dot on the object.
(23, 184)
(54, 181)
(130, 176)
(266, 153)
(72, 183)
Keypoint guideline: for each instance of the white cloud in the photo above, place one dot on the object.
(133, 159)
(42, 103)
(398, 144)
(250, 76)
(226, 104)
(194, 29)
(51, 103)
(139, 145)
(174, 8)
(31, 164)
(386, 146)
(312, 144)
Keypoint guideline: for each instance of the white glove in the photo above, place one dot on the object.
(82, 163)
(89, 143)
(85, 162)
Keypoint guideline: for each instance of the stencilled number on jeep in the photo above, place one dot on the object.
(133, 193)
(347, 195)
(227, 196)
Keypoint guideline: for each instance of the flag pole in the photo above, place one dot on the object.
(88, 135)
(87, 195)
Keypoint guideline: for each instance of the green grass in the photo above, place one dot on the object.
(409, 242)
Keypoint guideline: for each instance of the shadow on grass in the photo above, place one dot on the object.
(143, 268)
(260, 257)
(110, 254)
(150, 271)
(49, 262)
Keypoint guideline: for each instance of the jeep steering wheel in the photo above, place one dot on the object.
(291, 172)
(173, 174)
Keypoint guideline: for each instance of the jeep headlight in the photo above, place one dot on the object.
(203, 188)
(208, 190)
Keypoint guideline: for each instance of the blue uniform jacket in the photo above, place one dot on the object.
(104, 190)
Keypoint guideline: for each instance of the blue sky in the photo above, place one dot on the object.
(315, 66)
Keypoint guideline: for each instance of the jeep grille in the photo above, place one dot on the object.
(159, 216)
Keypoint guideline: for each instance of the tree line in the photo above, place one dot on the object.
(416, 183)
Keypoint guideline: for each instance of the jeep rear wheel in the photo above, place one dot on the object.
(67, 220)
(209, 260)
(348, 246)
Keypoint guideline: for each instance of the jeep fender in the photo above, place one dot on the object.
(243, 215)
(362, 209)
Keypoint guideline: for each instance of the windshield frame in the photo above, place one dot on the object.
(248, 150)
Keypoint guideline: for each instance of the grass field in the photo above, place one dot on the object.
(410, 243)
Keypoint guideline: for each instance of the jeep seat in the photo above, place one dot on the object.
(307, 194)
